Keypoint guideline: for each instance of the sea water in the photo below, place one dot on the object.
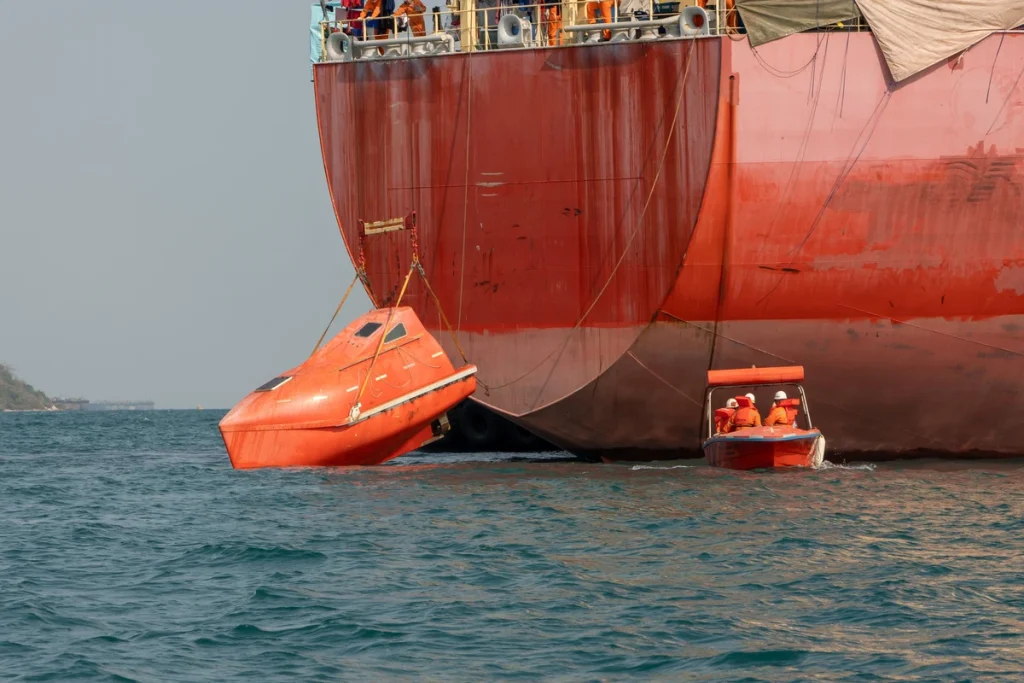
(131, 551)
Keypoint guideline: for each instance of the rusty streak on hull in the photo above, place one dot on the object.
(807, 212)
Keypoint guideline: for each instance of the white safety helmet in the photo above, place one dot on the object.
(752, 399)
(780, 395)
(731, 403)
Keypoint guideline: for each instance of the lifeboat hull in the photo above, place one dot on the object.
(352, 402)
(373, 441)
(765, 447)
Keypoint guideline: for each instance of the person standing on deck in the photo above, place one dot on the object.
(551, 15)
(370, 12)
(413, 10)
(605, 6)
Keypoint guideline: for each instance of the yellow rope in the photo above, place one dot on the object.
(391, 314)
(336, 312)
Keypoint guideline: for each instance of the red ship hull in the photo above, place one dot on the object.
(605, 223)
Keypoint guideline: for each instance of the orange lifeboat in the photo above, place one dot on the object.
(359, 400)
(757, 447)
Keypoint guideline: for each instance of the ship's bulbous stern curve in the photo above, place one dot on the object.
(566, 148)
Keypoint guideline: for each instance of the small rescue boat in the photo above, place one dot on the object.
(358, 400)
(748, 448)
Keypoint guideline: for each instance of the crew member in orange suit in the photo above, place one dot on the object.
(778, 414)
(723, 416)
(552, 16)
(606, 14)
(371, 10)
(414, 10)
(745, 416)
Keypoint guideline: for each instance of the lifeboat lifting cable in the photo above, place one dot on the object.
(380, 388)
(737, 440)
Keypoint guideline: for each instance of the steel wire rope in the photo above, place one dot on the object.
(465, 199)
(851, 160)
(336, 311)
(804, 141)
(629, 243)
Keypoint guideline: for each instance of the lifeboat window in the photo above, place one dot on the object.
(367, 330)
(273, 384)
(396, 333)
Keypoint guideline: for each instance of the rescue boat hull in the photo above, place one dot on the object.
(763, 448)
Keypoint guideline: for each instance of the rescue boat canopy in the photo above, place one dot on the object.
(748, 376)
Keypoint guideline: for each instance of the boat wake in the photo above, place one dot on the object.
(652, 467)
(864, 467)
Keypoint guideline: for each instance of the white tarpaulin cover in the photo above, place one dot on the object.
(914, 34)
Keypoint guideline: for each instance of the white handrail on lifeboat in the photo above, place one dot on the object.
(341, 47)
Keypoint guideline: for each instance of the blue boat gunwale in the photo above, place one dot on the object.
(747, 438)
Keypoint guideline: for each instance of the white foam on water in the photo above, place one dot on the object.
(864, 467)
(651, 467)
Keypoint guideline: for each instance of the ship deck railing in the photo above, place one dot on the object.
(479, 27)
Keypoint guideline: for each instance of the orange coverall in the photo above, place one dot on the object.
(776, 416)
(606, 14)
(371, 10)
(744, 417)
(414, 9)
(553, 17)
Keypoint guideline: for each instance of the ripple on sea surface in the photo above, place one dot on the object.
(131, 551)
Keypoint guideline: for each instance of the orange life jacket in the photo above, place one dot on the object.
(722, 416)
(745, 416)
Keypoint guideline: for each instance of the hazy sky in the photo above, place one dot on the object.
(165, 226)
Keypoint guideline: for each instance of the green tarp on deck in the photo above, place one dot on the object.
(768, 20)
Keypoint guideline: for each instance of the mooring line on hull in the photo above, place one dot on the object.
(629, 243)
(632, 236)
(665, 381)
(927, 329)
(716, 334)
(844, 173)
(1006, 100)
(465, 201)
(992, 70)
(801, 152)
